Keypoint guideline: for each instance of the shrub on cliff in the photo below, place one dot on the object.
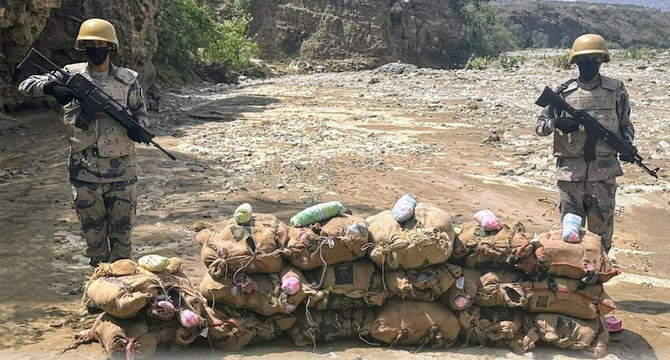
(190, 38)
(482, 34)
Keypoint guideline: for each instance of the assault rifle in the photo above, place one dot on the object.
(92, 100)
(594, 131)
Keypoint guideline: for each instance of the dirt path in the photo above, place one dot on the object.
(459, 139)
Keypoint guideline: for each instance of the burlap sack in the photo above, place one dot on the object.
(568, 260)
(346, 285)
(566, 332)
(425, 240)
(265, 297)
(123, 296)
(255, 248)
(233, 329)
(422, 285)
(475, 247)
(140, 338)
(415, 323)
(462, 295)
(319, 326)
(334, 241)
(570, 298)
(501, 287)
(493, 326)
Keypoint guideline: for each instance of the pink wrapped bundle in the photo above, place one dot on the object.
(571, 225)
(290, 285)
(189, 319)
(403, 209)
(488, 220)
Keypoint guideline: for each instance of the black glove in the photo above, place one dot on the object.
(135, 134)
(566, 125)
(62, 93)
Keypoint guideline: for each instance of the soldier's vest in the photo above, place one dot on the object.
(105, 134)
(599, 103)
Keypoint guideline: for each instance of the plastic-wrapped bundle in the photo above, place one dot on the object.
(334, 241)
(415, 323)
(317, 213)
(488, 220)
(403, 209)
(571, 226)
(255, 247)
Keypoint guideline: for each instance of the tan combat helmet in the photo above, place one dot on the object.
(589, 44)
(97, 29)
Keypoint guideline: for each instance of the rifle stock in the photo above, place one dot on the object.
(595, 131)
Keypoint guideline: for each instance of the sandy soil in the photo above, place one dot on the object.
(459, 139)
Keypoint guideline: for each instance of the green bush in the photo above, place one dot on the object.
(508, 62)
(478, 63)
(638, 54)
(482, 34)
(188, 37)
(561, 61)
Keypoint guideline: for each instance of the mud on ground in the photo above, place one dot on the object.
(462, 140)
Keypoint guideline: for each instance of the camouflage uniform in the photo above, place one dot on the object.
(102, 165)
(588, 189)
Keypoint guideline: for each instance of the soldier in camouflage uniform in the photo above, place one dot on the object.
(102, 165)
(588, 189)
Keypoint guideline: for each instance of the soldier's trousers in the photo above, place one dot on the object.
(106, 212)
(594, 201)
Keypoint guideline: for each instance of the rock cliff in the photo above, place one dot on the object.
(421, 32)
(51, 26)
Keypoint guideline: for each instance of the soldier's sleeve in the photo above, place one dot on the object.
(623, 112)
(136, 103)
(34, 85)
(545, 123)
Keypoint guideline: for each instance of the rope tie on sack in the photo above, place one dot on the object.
(251, 258)
(331, 243)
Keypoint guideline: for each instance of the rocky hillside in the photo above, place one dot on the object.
(422, 32)
(558, 23)
(51, 26)
(658, 4)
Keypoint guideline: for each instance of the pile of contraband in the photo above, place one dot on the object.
(403, 277)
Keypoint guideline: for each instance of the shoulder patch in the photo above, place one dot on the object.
(77, 68)
(125, 75)
(609, 83)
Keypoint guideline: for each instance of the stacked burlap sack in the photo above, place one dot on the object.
(146, 309)
(261, 275)
(518, 290)
(401, 277)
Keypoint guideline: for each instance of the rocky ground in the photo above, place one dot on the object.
(461, 139)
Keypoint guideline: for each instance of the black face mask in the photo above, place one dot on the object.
(97, 55)
(588, 69)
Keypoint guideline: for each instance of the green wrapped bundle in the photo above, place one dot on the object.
(317, 213)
